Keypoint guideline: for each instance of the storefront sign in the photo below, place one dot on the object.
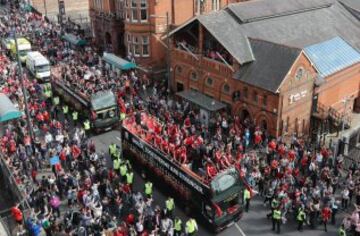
(297, 96)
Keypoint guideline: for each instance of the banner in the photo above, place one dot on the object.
(54, 160)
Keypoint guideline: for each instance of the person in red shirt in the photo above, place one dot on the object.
(211, 170)
(17, 214)
(258, 139)
(326, 214)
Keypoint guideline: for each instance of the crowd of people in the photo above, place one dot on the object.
(295, 180)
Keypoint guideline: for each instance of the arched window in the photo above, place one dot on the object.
(178, 70)
(226, 88)
(209, 82)
(193, 76)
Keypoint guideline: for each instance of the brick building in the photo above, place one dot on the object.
(255, 57)
(77, 10)
(136, 28)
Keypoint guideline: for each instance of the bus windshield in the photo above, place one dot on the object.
(23, 53)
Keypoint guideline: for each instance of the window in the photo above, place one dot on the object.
(143, 10)
(136, 45)
(226, 88)
(236, 96)
(127, 15)
(178, 70)
(255, 96)
(134, 10)
(119, 4)
(193, 76)
(209, 81)
(215, 5)
(245, 92)
(145, 46)
(265, 100)
(299, 73)
(127, 3)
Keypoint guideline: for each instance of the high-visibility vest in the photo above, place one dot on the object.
(170, 205)
(191, 226)
(342, 232)
(75, 115)
(129, 178)
(112, 149)
(246, 194)
(277, 215)
(122, 116)
(65, 109)
(56, 101)
(301, 216)
(87, 125)
(116, 164)
(177, 225)
(123, 169)
(148, 188)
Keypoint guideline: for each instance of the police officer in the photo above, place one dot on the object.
(301, 216)
(65, 110)
(274, 204)
(123, 171)
(130, 178)
(247, 197)
(75, 116)
(87, 126)
(177, 227)
(276, 220)
(170, 207)
(148, 189)
(56, 102)
(112, 150)
(116, 165)
(342, 231)
(191, 227)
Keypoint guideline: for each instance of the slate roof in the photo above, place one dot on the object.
(332, 56)
(221, 25)
(201, 100)
(273, 62)
(353, 7)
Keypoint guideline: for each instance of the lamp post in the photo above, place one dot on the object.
(168, 59)
(45, 8)
(28, 121)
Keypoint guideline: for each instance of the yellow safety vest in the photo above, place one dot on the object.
(129, 178)
(301, 216)
(277, 215)
(148, 188)
(122, 116)
(177, 225)
(170, 205)
(116, 164)
(123, 169)
(75, 115)
(246, 194)
(342, 232)
(191, 226)
(65, 109)
(86, 125)
(112, 149)
(56, 101)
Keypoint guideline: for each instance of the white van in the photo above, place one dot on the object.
(39, 66)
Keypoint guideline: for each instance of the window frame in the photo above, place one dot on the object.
(136, 45)
(143, 8)
(224, 90)
(196, 78)
(255, 96)
(209, 84)
(246, 92)
(147, 44)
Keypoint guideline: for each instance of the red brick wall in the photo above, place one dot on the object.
(338, 86)
(71, 6)
(184, 65)
(294, 113)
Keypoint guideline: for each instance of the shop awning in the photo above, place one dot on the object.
(7, 109)
(118, 62)
(203, 101)
(73, 39)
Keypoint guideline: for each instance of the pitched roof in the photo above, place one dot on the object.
(232, 40)
(353, 6)
(273, 62)
(331, 56)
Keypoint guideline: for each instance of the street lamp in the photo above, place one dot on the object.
(168, 62)
(45, 8)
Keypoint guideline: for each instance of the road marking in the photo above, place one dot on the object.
(118, 138)
(240, 230)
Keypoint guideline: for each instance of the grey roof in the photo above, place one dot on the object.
(221, 25)
(307, 28)
(273, 62)
(201, 100)
(353, 6)
(255, 10)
